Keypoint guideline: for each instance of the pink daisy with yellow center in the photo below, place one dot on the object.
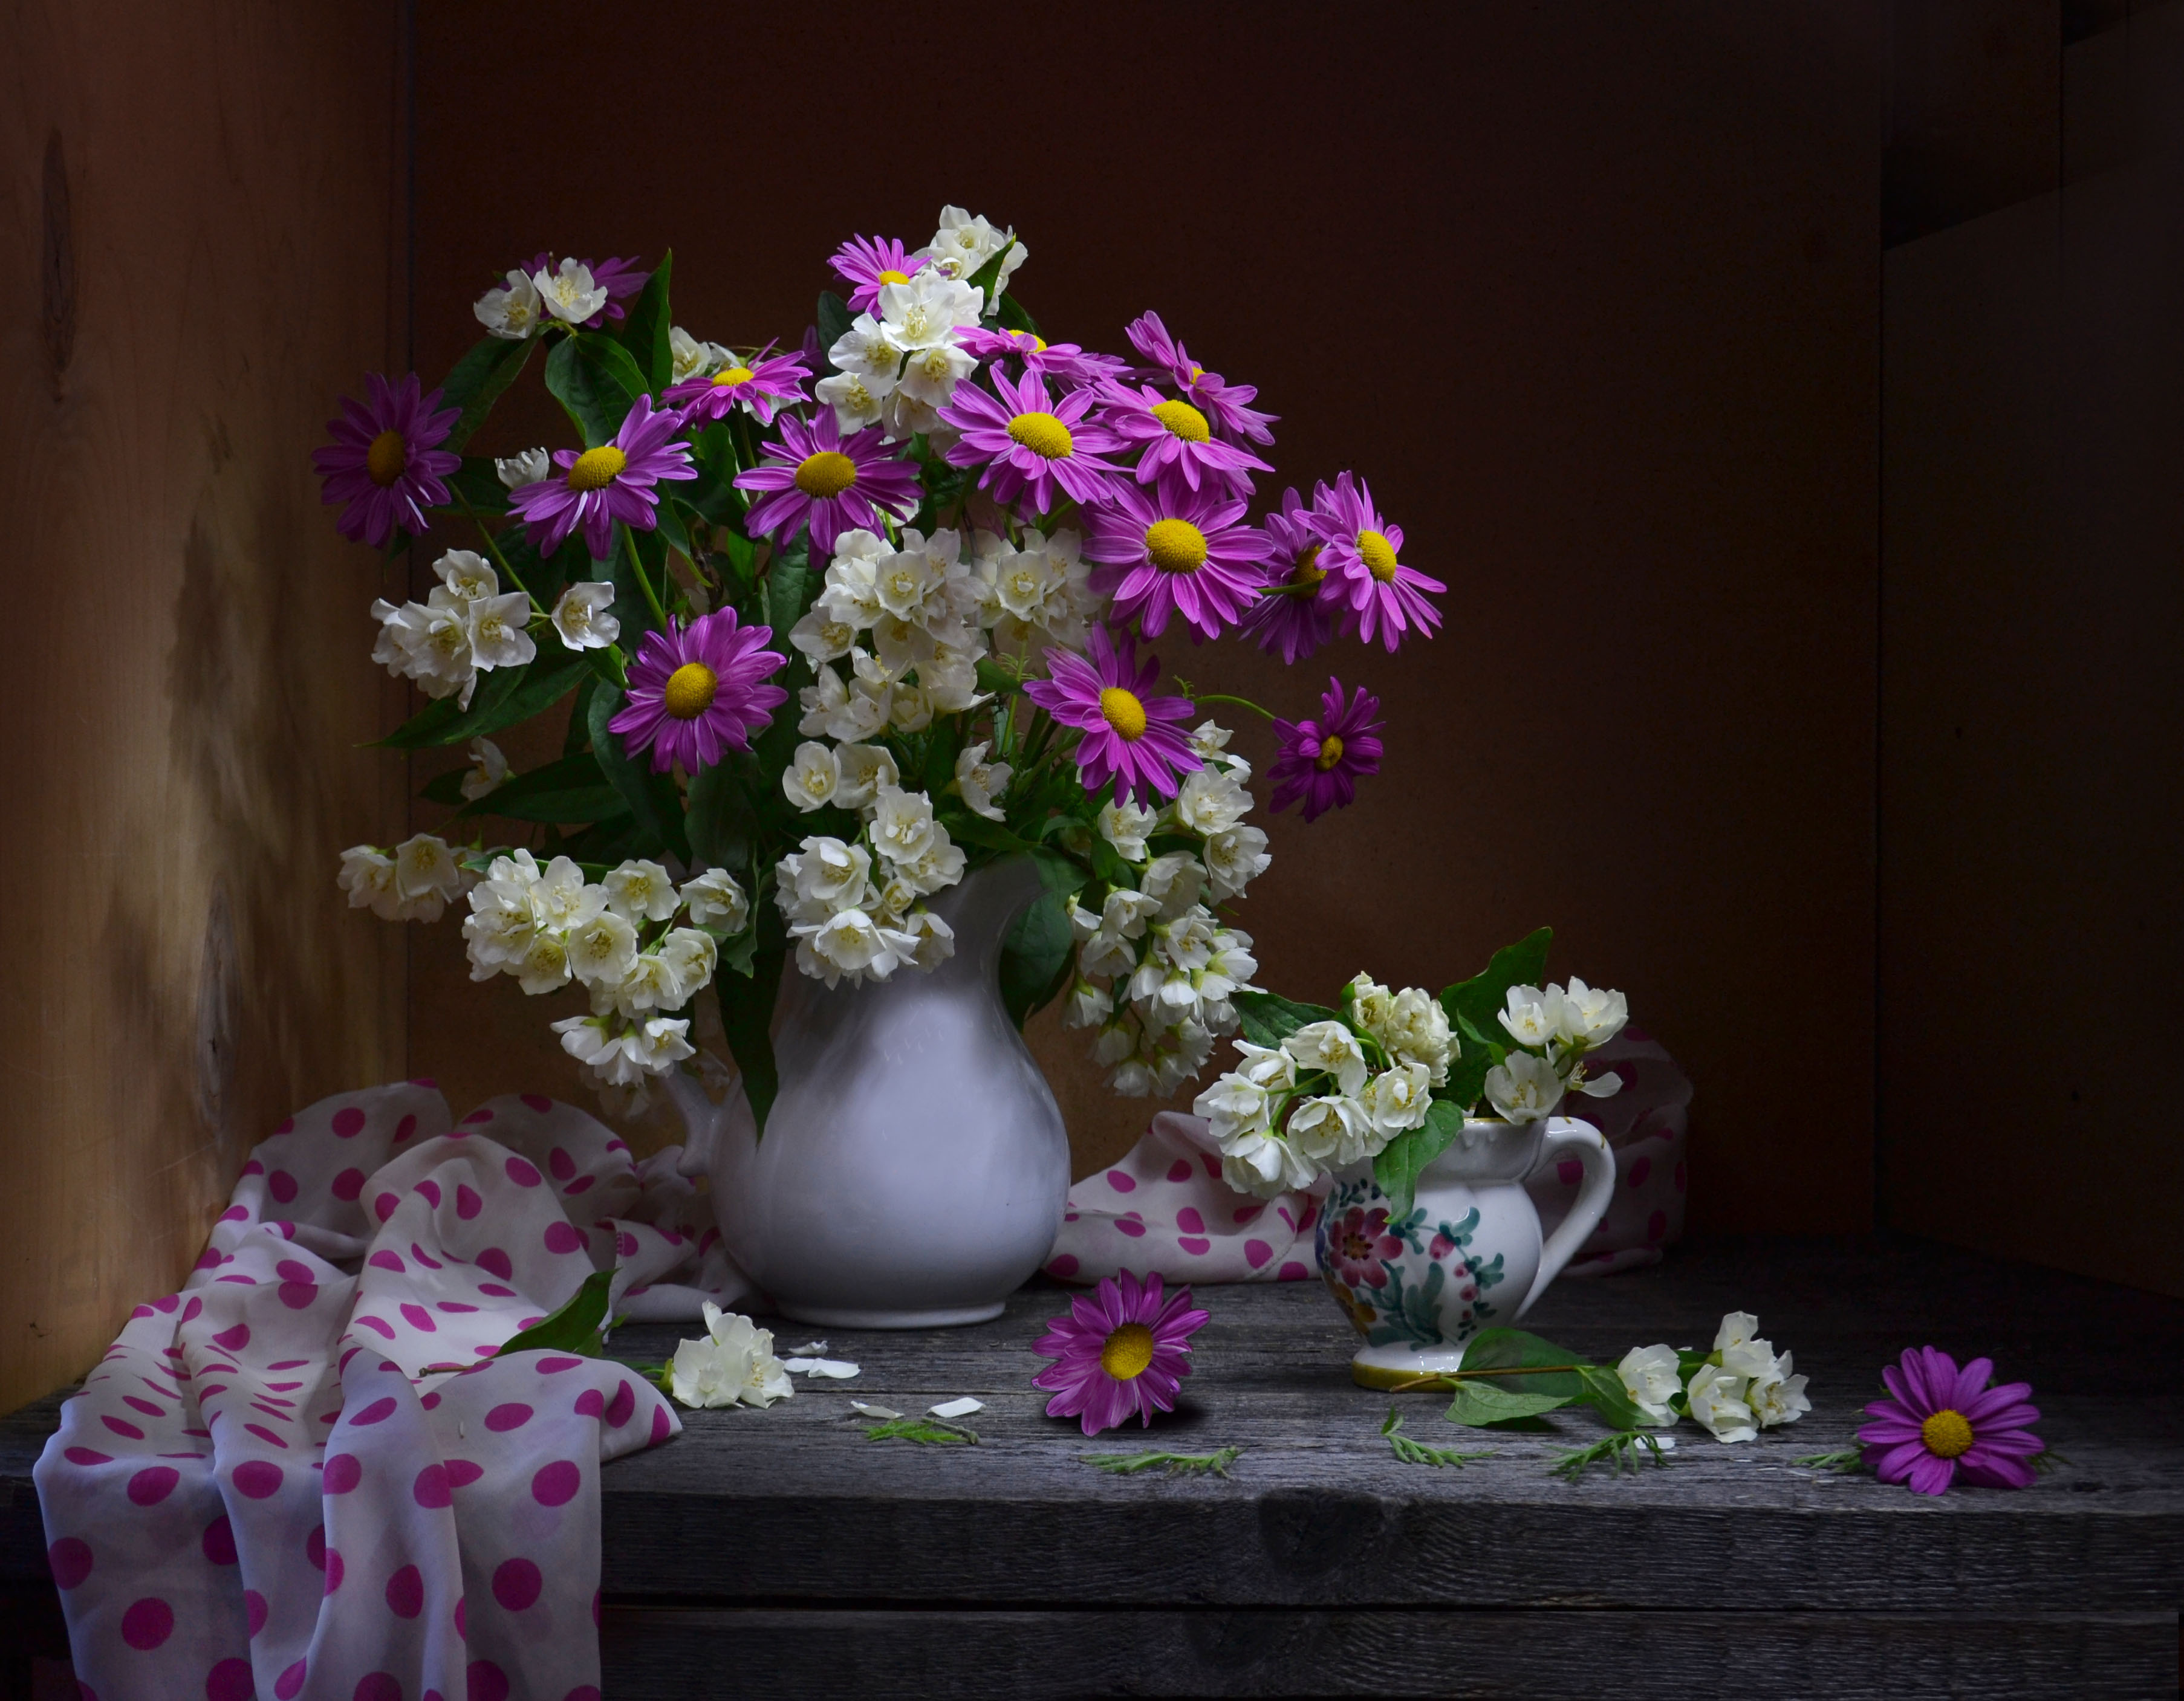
(815, 475)
(699, 691)
(867, 263)
(1384, 598)
(385, 461)
(1172, 549)
(1123, 1350)
(1130, 736)
(1031, 446)
(760, 388)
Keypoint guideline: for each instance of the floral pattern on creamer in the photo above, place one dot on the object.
(1389, 1276)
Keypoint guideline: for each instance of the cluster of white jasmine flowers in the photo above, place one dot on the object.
(464, 627)
(413, 882)
(1330, 1094)
(856, 909)
(734, 1365)
(1033, 594)
(618, 939)
(1553, 1029)
(567, 292)
(904, 620)
(1155, 968)
(1739, 1389)
(901, 367)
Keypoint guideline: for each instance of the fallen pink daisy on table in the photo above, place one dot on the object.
(385, 461)
(761, 389)
(1382, 597)
(602, 485)
(815, 475)
(1322, 760)
(1123, 1348)
(696, 692)
(1130, 736)
(1946, 1422)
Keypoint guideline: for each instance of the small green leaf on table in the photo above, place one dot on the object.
(1480, 1405)
(925, 1430)
(1216, 1463)
(1418, 1452)
(1621, 1451)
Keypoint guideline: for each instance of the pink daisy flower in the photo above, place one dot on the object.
(1065, 362)
(696, 692)
(1381, 595)
(1945, 1422)
(620, 279)
(836, 484)
(1029, 444)
(1296, 614)
(866, 263)
(1174, 434)
(761, 390)
(1172, 548)
(1225, 403)
(385, 462)
(613, 481)
(1123, 1348)
(1128, 736)
(1321, 759)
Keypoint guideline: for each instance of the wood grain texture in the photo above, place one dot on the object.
(2030, 613)
(201, 234)
(1586, 292)
(1040, 1656)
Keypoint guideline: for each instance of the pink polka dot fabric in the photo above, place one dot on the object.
(1165, 1208)
(306, 1475)
(1648, 1126)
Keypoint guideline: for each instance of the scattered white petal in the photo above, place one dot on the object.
(809, 1349)
(840, 1368)
(955, 1409)
(883, 1412)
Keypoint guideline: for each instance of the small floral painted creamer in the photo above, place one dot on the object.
(1419, 1286)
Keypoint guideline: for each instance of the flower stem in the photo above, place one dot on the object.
(637, 566)
(1240, 702)
(1450, 1378)
(537, 611)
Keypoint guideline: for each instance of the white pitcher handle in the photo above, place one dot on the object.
(1594, 1194)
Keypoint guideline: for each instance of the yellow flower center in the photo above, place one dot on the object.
(596, 469)
(388, 456)
(1379, 556)
(1307, 570)
(893, 276)
(1127, 1351)
(1947, 1434)
(1124, 713)
(1330, 752)
(1043, 435)
(690, 691)
(828, 473)
(731, 375)
(1176, 546)
(1183, 420)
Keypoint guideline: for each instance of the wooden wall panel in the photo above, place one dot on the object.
(2032, 719)
(1587, 292)
(203, 241)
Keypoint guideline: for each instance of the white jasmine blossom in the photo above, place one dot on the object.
(586, 1039)
(867, 770)
(1270, 1066)
(532, 466)
(715, 900)
(1414, 1027)
(811, 776)
(979, 782)
(488, 770)
(823, 875)
(426, 876)
(1125, 826)
(466, 575)
(497, 637)
(1533, 1017)
(1235, 1105)
(570, 294)
(367, 875)
(822, 637)
(867, 351)
(734, 1365)
(927, 311)
(581, 617)
(1209, 739)
(1090, 1004)
(687, 358)
(939, 868)
(1233, 859)
(1652, 1379)
(1775, 1396)
(1330, 1045)
(1716, 1397)
(602, 947)
(1396, 1099)
(1738, 1350)
(1334, 1131)
(903, 828)
(1173, 882)
(1590, 1016)
(1265, 1165)
(851, 398)
(964, 243)
(1211, 801)
(511, 313)
(935, 940)
(641, 890)
(1522, 1088)
(659, 1044)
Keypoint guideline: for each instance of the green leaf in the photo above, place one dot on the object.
(504, 697)
(1269, 1019)
(987, 276)
(1510, 1349)
(477, 382)
(1216, 1463)
(834, 323)
(1013, 316)
(644, 331)
(1620, 1452)
(1418, 1452)
(1036, 956)
(574, 1328)
(651, 797)
(668, 527)
(925, 1430)
(1478, 1404)
(446, 788)
(1478, 1001)
(579, 734)
(720, 819)
(790, 585)
(478, 483)
(746, 1016)
(571, 790)
(596, 382)
(1403, 1159)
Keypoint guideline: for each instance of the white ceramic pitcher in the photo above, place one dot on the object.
(914, 1165)
(1469, 1255)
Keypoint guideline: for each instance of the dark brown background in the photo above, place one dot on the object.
(1787, 393)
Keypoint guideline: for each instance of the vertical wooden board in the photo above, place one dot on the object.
(2031, 710)
(189, 685)
(1588, 295)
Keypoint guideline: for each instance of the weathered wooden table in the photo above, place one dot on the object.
(781, 1554)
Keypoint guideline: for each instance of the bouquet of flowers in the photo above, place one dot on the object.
(833, 624)
(1395, 1076)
